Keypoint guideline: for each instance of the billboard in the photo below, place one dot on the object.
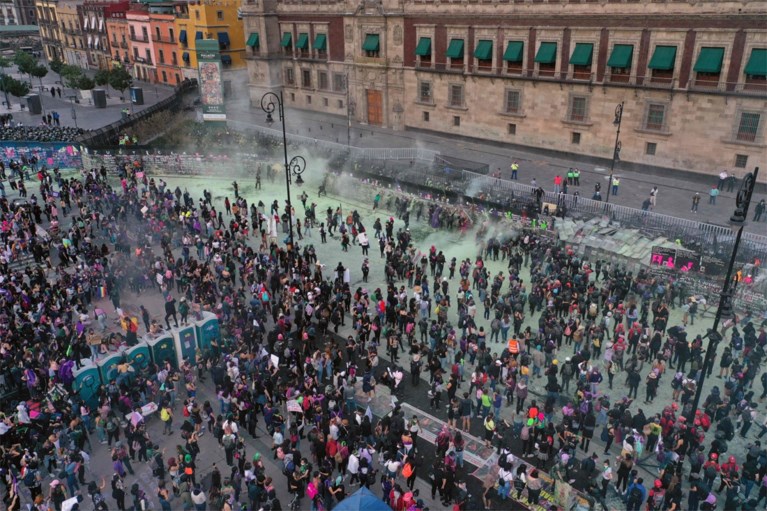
(51, 154)
(211, 84)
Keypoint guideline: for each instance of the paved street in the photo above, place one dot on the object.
(330, 254)
(675, 192)
(88, 116)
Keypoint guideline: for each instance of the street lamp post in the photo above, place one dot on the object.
(726, 305)
(617, 149)
(271, 102)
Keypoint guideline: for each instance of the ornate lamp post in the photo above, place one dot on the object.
(726, 306)
(271, 102)
(617, 148)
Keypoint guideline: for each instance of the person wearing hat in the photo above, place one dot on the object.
(652, 386)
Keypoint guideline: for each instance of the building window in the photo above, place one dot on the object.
(756, 70)
(741, 160)
(322, 80)
(340, 103)
(308, 100)
(484, 55)
(292, 97)
(219, 15)
(325, 102)
(424, 92)
(289, 76)
(372, 45)
(161, 57)
(456, 120)
(306, 78)
(546, 58)
(708, 67)
(748, 126)
(655, 117)
(144, 34)
(575, 138)
(649, 148)
(197, 15)
(426, 117)
(662, 64)
(148, 55)
(339, 82)
(455, 53)
(579, 109)
(513, 101)
(171, 36)
(423, 51)
(581, 60)
(173, 58)
(164, 77)
(456, 95)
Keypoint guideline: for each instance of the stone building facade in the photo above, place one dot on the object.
(547, 74)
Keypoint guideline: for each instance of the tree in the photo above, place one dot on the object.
(86, 83)
(39, 72)
(4, 62)
(102, 77)
(25, 63)
(13, 86)
(120, 79)
(56, 66)
(72, 76)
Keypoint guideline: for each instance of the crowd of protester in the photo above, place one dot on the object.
(482, 340)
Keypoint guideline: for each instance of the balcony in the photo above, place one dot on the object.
(161, 39)
(138, 39)
(124, 44)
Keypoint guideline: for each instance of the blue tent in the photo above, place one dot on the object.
(362, 499)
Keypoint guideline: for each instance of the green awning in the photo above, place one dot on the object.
(321, 42)
(252, 40)
(303, 41)
(582, 54)
(757, 62)
(372, 43)
(484, 50)
(287, 40)
(424, 47)
(455, 49)
(621, 56)
(513, 51)
(547, 53)
(709, 60)
(663, 58)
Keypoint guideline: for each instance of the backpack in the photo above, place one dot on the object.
(635, 496)
(407, 470)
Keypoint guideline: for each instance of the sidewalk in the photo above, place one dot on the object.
(674, 195)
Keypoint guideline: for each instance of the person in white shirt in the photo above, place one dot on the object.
(353, 466)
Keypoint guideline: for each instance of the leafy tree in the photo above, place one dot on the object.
(120, 79)
(72, 76)
(102, 77)
(39, 72)
(4, 62)
(86, 83)
(25, 63)
(11, 85)
(56, 66)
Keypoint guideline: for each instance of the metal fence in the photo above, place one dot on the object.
(713, 239)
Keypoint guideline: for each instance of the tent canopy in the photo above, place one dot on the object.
(362, 499)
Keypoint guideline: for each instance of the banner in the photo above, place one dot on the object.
(50, 154)
(211, 85)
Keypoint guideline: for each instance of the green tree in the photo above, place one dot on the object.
(102, 77)
(11, 85)
(25, 63)
(4, 63)
(39, 72)
(86, 83)
(56, 66)
(71, 76)
(120, 79)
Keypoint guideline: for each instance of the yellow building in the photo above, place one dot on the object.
(73, 44)
(50, 32)
(210, 19)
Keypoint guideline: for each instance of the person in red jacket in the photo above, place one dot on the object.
(728, 470)
(656, 497)
(711, 469)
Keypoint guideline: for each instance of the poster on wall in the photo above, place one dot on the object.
(211, 84)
